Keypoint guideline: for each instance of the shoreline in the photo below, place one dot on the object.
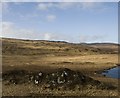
(104, 70)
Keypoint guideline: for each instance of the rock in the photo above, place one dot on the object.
(64, 78)
(61, 80)
(31, 78)
(36, 82)
(69, 79)
(40, 74)
(37, 78)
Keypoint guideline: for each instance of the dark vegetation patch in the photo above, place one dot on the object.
(64, 77)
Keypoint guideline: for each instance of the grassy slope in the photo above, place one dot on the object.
(27, 53)
(28, 47)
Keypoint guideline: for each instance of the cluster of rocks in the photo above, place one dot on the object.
(66, 77)
(36, 78)
(61, 77)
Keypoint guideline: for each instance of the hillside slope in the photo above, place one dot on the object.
(42, 47)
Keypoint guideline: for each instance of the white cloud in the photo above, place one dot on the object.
(7, 27)
(91, 38)
(69, 5)
(47, 36)
(87, 5)
(9, 30)
(44, 6)
(52, 36)
(50, 18)
(5, 7)
(56, 37)
(59, 5)
(66, 5)
(59, 0)
(0, 7)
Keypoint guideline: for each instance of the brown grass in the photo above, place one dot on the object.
(47, 56)
(31, 89)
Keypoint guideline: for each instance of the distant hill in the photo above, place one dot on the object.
(43, 47)
(105, 46)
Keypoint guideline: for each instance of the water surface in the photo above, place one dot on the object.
(113, 73)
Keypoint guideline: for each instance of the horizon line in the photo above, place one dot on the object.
(25, 39)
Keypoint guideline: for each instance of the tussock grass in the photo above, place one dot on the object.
(32, 90)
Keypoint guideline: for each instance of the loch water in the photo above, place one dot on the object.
(112, 73)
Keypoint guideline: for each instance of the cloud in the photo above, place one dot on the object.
(60, 0)
(44, 6)
(87, 5)
(4, 7)
(91, 38)
(0, 7)
(69, 5)
(47, 36)
(66, 5)
(7, 27)
(58, 5)
(50, 18)
(53, 36)
(9, 30)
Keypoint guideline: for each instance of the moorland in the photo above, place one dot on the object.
(24, 58)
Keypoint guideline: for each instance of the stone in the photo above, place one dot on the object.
(60, 80)
(36, 82)
(40, 74)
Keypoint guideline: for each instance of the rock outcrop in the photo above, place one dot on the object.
(60, 78)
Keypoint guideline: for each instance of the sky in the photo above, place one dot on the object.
(74, 22)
